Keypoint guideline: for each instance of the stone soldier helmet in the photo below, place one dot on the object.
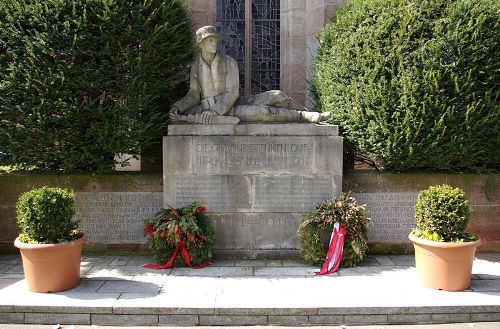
(205, 32)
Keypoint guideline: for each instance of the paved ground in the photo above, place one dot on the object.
(116, 290)
(477, 325)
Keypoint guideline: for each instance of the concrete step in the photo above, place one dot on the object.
(116, 290)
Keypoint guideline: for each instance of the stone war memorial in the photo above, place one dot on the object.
(244, 142)
(259, 164)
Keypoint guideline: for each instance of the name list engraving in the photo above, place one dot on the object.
(291, 193)
(116, 217)
(392, 215)
(217, 193)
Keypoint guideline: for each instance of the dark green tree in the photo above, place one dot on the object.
(83, 80)
(415, 83)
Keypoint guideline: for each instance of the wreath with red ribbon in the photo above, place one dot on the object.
(180, 237)
(351, 216)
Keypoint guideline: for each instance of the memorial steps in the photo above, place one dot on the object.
(116, 290)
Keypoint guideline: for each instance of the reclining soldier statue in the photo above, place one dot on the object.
(213, 95)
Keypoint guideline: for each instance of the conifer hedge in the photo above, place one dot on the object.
(415, 83)
(83, 80)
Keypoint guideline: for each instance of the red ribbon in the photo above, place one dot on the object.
(335, 250)
(185, 256)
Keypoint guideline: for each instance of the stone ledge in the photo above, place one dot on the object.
(60, 318)
(11, 317)
(232, 320)
(278, 311)
(188, 129)
(287, 320)
(124, 320)
(179, 320)
(254, 129)
(244, 317)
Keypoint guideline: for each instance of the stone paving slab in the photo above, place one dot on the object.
(10, 259)
(179, 320)
(14, 269)
(10, 317)
(88, 286)
(486, 285)
(480, 317)
(130, 286)
(214, 271)
(122, 260)
(133, 303)
(284, 271)
(403, 260)
(5, 267)
(250, 262)
(384, 261)
(486, 268)
(234, 320)
(108, 272)
(140, 260)
(4, 283)
(124, 319)
(66, 302)
(294, 263)
(378, 271)
(60, 318)
(98, 260)
(11, 293)
(226, 263)
(18, 276)
(382, 290)
(156, 279)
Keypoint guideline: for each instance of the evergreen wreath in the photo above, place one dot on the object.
(172, 226)
(352, 216)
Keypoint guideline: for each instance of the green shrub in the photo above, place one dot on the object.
(442, 214)
(45, 215)
(344, 210)
(415, 83)
(83, 80)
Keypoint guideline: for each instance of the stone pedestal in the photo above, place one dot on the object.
(258, 181)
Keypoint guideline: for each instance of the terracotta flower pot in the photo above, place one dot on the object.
(444, 265)
(51, 267)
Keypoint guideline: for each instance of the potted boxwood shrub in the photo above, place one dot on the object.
(50, 242)
(444, 251)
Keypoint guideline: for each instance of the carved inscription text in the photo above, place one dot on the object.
(115, 217)
(278, 154)
(392, 215)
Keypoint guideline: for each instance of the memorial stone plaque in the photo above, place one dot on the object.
(392, 215)
(115, 217)
(257, 181)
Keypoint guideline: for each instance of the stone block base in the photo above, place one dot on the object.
(258, 181)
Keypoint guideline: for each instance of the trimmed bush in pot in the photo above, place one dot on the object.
(444, 251)
(50, 242)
